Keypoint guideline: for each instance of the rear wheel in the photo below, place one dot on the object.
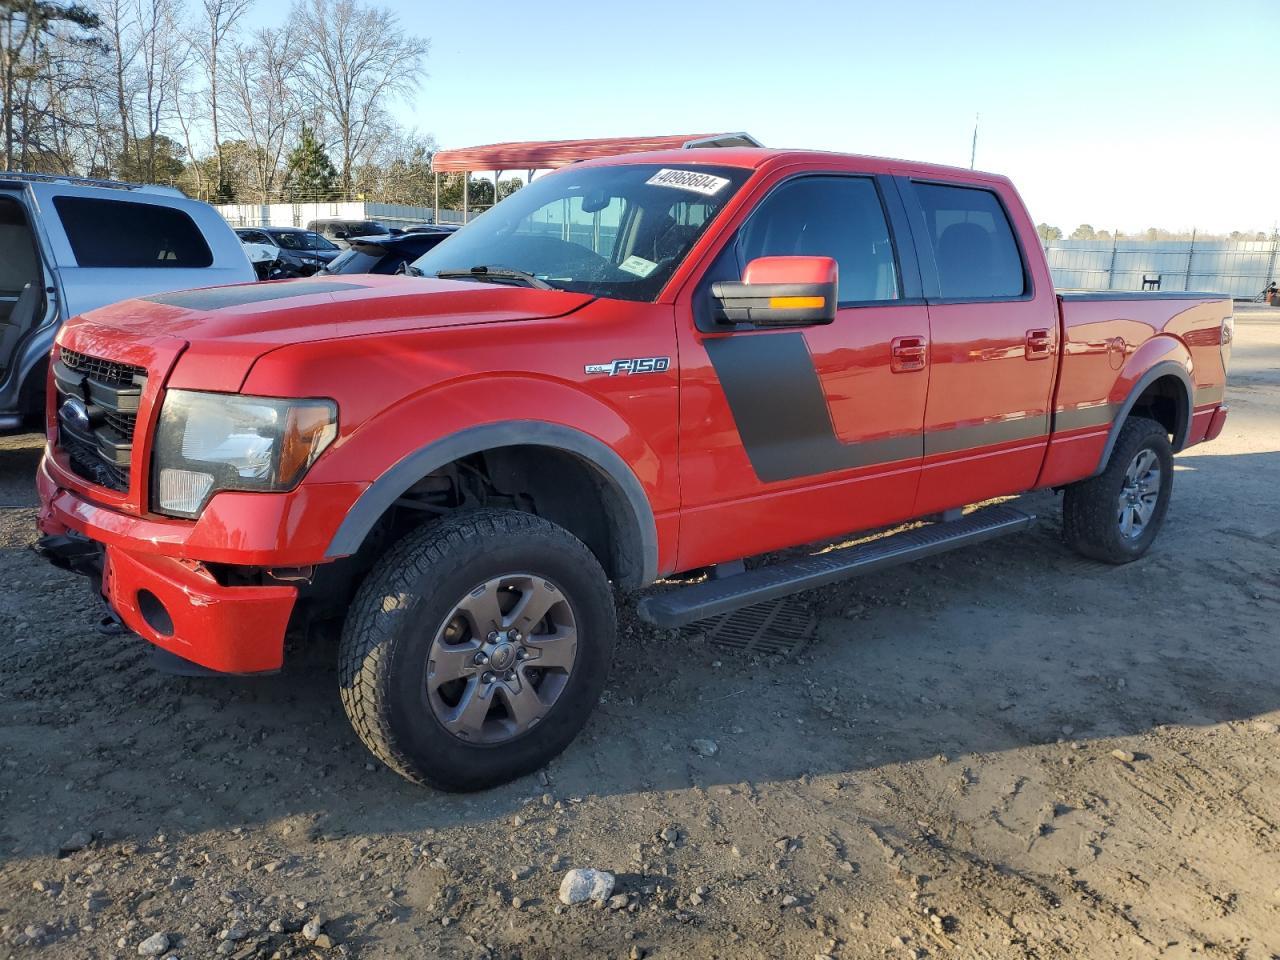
(1115, 516)
(475, 650)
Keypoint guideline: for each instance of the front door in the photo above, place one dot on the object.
(791, 435)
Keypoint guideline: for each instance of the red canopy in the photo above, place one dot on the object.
(543, 154)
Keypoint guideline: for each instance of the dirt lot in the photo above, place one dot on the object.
(1008, 752)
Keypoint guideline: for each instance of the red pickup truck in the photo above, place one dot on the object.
(631, 368)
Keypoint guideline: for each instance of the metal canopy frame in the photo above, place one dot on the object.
(534, 155)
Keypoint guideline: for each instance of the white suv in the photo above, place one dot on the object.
(69, 245)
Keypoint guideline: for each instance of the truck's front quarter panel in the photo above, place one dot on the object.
(220, 588)
(607, 371)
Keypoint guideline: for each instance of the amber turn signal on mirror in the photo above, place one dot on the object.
(779, 292)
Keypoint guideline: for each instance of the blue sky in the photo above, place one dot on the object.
(1121, 113)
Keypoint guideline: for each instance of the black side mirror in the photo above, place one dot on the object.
(779, 292)
(340, 235)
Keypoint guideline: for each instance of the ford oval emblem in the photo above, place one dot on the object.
(75, 414)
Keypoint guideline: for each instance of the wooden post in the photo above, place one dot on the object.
(437, 197)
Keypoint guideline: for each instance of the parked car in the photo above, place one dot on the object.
(386, 254)
(70, 245)
(341, 231)
(298, 253)
(632, 368)
(263, 257)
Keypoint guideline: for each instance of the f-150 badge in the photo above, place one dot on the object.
(635, 365)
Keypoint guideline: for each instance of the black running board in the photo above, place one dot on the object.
(682, 605)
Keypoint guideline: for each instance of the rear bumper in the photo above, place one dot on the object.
(172, 601)
(1217, 422)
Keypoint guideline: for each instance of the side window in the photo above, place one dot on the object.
(973, 244)
(253, 236)
(114, 233)
(839, 217)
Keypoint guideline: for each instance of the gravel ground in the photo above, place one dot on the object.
(1004, 752)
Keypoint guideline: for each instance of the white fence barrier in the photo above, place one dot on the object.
(300, 214)
(1240, 268)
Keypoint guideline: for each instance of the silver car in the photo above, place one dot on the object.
(69, 245)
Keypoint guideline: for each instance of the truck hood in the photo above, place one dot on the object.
(273, 314)
(219, 332)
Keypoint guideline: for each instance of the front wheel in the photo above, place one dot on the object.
(1115, 516)
(476, 649)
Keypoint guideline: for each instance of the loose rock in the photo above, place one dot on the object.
(585, 883)
(1124, 756)
(77, 841)
(154, 945)
(313, 928)
(704, 748)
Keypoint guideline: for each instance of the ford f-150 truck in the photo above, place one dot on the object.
(633, 368)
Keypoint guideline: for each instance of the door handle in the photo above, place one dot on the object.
(908, 354)
(1039, 344)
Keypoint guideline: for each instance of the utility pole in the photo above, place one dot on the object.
(973, 150)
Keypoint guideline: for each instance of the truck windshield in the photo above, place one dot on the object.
(610, 231)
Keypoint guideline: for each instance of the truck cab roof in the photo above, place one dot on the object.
(753, 158)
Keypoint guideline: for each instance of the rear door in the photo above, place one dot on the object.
(790, 435)
(993, 328)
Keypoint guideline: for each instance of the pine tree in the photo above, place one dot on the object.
(309, 174)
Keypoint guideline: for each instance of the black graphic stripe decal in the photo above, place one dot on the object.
(985, 434)
(781, 411)
(1077, 418)
(782, 416)
(1210, 394)
(216, 298)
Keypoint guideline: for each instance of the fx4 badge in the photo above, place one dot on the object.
(635, 365)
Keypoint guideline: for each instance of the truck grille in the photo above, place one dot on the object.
(97, 412)
(107, 372)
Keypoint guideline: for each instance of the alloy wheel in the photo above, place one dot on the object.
(502, 658)
(1139, 494)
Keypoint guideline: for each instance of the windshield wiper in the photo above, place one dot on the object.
(495, 275)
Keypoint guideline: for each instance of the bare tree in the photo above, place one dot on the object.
(219, 19)
(37, 55)
(361, 57)
(262, 104)
(120, 33)
(163, 61)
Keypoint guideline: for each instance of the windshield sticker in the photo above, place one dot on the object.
(703, 183)
(638, 265)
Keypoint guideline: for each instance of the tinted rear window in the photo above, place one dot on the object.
(973, 244)
(353, 261)
(115, 233)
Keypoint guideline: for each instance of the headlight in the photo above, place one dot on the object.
(208, 442)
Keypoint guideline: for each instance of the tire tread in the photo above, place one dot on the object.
(369, 634)
(1088, 507)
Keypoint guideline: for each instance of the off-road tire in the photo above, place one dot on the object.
(1089, 508)
(404, 601)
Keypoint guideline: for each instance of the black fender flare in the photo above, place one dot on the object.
(1164, 368)
(393, 483)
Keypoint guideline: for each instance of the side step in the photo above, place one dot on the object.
(681, 605)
